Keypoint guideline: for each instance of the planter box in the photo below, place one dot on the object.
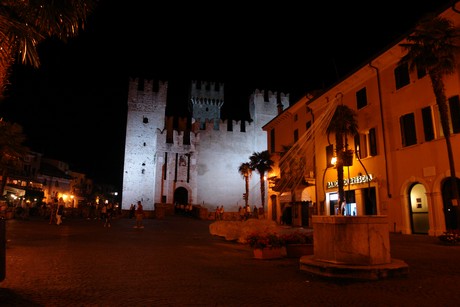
(269, 253)
(298, 250)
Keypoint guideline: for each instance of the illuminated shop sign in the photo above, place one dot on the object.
(352, 180)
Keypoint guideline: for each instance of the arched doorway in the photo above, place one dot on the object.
(418, 208)
(181, 196)
(450, 211)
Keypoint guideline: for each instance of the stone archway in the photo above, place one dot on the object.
(181, 196)
(418, 208)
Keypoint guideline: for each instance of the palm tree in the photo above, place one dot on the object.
(433, 47)
(24, 24)
(12, 152)
(262, 163)
(343, 124)
(245, 170)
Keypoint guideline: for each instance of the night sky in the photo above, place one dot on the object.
(74, 107)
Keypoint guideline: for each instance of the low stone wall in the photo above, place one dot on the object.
(355, 240)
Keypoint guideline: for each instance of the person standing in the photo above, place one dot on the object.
(139, 215)
(60, 211)
(132, 211)
(221, 213)
(53, 211)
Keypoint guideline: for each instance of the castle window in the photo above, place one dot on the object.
(145, 120)
(308, 125)
(296, 135)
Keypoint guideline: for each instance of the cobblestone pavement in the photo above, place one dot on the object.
(176, 262)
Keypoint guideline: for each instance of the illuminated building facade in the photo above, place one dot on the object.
(403, 171)
(171, 160)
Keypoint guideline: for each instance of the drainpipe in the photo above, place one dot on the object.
(314, 161)
(383, 128)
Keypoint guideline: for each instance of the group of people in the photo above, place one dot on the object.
(246, 212)
(106, 213)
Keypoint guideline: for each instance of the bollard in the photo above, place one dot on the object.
(2, 249)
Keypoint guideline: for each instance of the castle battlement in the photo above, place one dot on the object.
(207, 90)
(271, 96)
(148, 92)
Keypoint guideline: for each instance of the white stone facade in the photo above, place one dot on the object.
(198, 164)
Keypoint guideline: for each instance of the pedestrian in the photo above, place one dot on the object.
(248, 212)
(132, 211)
(60, 211)
(53, 210)
(221, 213)
(217, 213)
(104, 212)
(241, 211)
(256, 212)
(139, 215)
(108, 215)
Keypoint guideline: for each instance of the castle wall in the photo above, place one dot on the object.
(158, 163)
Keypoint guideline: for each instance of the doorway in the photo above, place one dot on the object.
(181, 196)
(450, 211)
(418, 207)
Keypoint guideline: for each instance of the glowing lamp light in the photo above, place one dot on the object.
(334, 160)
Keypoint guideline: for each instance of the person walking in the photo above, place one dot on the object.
(139, 215)
(108, 215)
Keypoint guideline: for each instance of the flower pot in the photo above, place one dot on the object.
(298, 250)
(268, 253)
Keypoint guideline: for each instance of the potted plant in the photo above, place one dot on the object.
(298, 243)
(266, 245)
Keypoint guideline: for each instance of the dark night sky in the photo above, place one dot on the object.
(74, 107)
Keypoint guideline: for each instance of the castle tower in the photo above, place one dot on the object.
(207, 99)
(145, 119)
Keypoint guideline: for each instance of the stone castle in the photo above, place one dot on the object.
(177, 160)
